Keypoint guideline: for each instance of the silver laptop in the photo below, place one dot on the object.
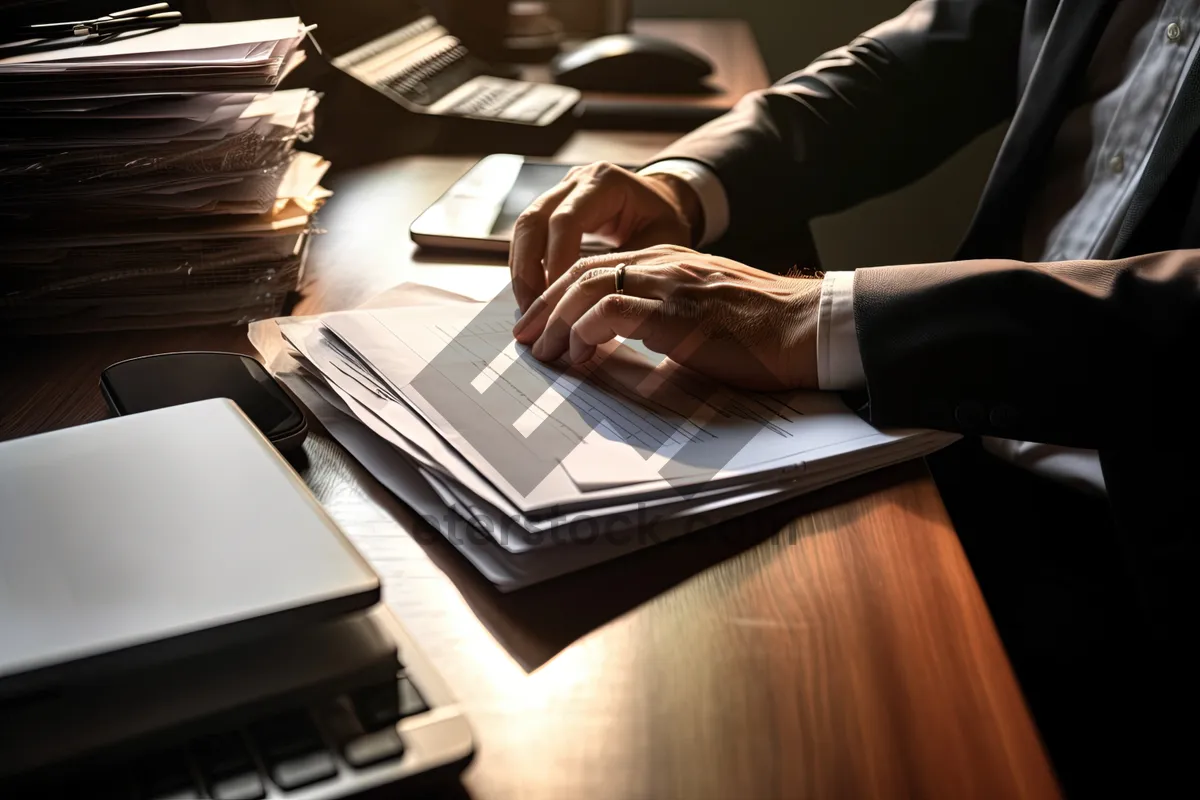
(180, 618)
(153, 536)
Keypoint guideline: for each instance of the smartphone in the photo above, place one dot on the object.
(479, 211)
(172, 379)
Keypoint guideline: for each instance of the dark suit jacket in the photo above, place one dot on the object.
(1090, 354)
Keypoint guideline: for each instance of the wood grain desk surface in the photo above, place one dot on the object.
(836, 647)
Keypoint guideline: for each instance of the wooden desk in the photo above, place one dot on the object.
(835, 647)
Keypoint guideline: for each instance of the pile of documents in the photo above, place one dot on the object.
(534, 470)
(153, 180)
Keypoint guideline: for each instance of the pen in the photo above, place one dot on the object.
(143, 18)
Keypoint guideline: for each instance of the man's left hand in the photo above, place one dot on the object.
(732, 322)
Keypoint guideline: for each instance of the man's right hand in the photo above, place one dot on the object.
(637, 211)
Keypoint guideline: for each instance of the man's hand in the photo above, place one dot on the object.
(735, 323)
(635, 210)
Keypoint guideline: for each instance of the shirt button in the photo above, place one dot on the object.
(1174, 32)
(1117, 164)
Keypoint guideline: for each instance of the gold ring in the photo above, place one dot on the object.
(619, 278)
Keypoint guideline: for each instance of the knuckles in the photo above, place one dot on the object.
(562, 218)
(593, 275)
(531, 215)
(614, 305)
(579, 269)
(603, 171)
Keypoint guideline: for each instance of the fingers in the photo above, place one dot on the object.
(595, 203)
(529, 245)
(531, 324)
(614, 315)
(583, 285)
(596, 198)
(582, 294)
(549, 233)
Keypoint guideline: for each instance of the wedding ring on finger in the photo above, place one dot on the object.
(619, 278)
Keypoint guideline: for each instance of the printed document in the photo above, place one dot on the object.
(552, 436)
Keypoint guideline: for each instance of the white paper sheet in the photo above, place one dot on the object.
(514, 530)
(489, 534)
(510, 571)
(197, 43)
(803, 428)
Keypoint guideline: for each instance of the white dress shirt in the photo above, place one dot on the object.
(1099, 156)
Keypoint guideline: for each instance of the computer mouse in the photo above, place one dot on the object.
(627, 63)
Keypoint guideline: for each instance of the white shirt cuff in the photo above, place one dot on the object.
(839, 361)
(707, 186)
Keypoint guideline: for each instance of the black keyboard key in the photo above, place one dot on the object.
(378, 706)
(373, 748)
(182, 793)
(228, 767)
(385, 704)
(242, 786)
(339, 720)
(293, 750)
(105, 785)
(411, 701)
(222, 754)
(167, 776)
(303, 770)
(286, 735)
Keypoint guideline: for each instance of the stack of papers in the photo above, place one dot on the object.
(534, 470)
(245, 56)
(153, 180)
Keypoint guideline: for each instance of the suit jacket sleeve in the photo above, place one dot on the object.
(1093, 354)
(866, 118)
(1059, 353)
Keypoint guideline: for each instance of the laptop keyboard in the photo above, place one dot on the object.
(485, 99)
(413, 81)
(271, 757)
(498, 98)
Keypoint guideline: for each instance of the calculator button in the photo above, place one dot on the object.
(303, 770)
(286, 735)
(228, 767)
(244, 786)
(373, 748)
(411, 701)
(377, 706)
(293, 751)
(340, 721)
(167, 776)
(223, 754)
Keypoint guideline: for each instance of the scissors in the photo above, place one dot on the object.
(142, 18)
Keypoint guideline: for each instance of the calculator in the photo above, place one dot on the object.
(420, 65)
